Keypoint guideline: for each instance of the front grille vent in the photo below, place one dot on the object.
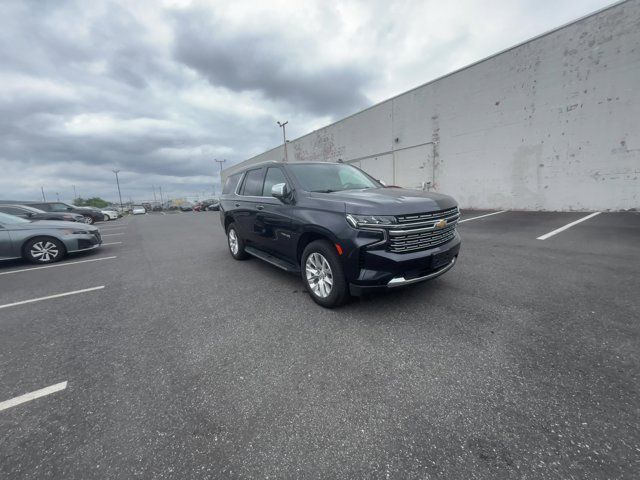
(423, 231)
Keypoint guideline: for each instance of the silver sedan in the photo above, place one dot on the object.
(44, 241)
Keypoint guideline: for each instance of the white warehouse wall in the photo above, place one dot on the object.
(551, 124)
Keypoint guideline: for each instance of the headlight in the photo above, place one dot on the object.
(76, 232)
(370, 220)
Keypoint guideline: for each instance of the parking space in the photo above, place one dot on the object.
(522, 361)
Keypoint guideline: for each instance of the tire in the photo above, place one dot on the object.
(88, 219)
(320, 262)
(235, 243)
(43, 250)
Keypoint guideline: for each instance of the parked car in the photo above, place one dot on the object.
(110, 214)
(90, 215)
(44, 241)
(186, 207)
(211, 204)
(31, 213)
(138, 210)
(338, 227)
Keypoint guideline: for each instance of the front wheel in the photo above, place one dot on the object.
(88, 219)
(236, 244)
(323, 275)
(43, 250)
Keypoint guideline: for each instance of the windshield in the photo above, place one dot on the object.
(331, 177)
(7, 219)
(31, 209)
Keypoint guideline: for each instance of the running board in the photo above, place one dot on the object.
(278, 262)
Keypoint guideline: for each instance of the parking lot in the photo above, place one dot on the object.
(166, 358)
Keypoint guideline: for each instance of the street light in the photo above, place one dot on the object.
(284, 139)
(220, 162)
(119, 194)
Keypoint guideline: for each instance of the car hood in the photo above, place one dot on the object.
(41, 224)
(389, 201)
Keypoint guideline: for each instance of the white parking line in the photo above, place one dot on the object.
(569, 225)
(482, 216)
(112, 234)
(58, 265)
(27, 397)
(58, 295)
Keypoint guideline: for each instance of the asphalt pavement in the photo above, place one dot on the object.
(523, 361)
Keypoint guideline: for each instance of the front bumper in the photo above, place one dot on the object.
(382, 270)
(82, 242)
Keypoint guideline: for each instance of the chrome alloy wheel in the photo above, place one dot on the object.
(319, 275)
(45, 251)
(233, 241)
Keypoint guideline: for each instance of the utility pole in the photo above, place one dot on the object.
(75, 195)
(220, 162)
(44, 199)
(57, 196)
(284, 139)
(119, 193)
(154, 193)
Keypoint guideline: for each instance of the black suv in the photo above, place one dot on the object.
(91, 215)
(344, 231)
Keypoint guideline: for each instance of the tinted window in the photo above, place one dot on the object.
(273, 177)
(59, 207)
(331, 177)
(41, 206)
(12, 210)
(231, 183)
(6, 219)
(253, 183)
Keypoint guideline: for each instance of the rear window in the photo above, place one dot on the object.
(231, 184)
(252, 185)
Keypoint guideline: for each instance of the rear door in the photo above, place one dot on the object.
(245, 203)
(272, 229)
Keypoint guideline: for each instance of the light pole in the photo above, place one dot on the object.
(220, 162)
(284, 139)
(119, 194)
(75, 195)
(44, 199)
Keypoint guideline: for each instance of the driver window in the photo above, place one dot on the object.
(273, 177)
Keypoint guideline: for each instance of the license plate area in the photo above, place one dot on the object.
(439, 260)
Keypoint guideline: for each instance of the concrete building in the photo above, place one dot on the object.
(550, 124)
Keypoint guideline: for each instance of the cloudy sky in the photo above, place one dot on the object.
(159, 89)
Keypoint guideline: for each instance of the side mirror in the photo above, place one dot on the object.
(69, 209)
(280, 191)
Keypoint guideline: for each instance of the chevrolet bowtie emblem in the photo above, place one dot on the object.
(441, 223)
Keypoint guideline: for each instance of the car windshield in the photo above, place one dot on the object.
(331, 177)
(7, 219)
(31, 209)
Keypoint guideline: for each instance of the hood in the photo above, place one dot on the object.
(41, 224)
(389, 201)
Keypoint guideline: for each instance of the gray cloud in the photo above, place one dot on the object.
(159, 92)
(267, 63)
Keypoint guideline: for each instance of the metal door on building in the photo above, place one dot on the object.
(413, 167)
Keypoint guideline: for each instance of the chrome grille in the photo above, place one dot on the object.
(419, 231)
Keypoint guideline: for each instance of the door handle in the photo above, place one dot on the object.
(260, 207)
(237, 204)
